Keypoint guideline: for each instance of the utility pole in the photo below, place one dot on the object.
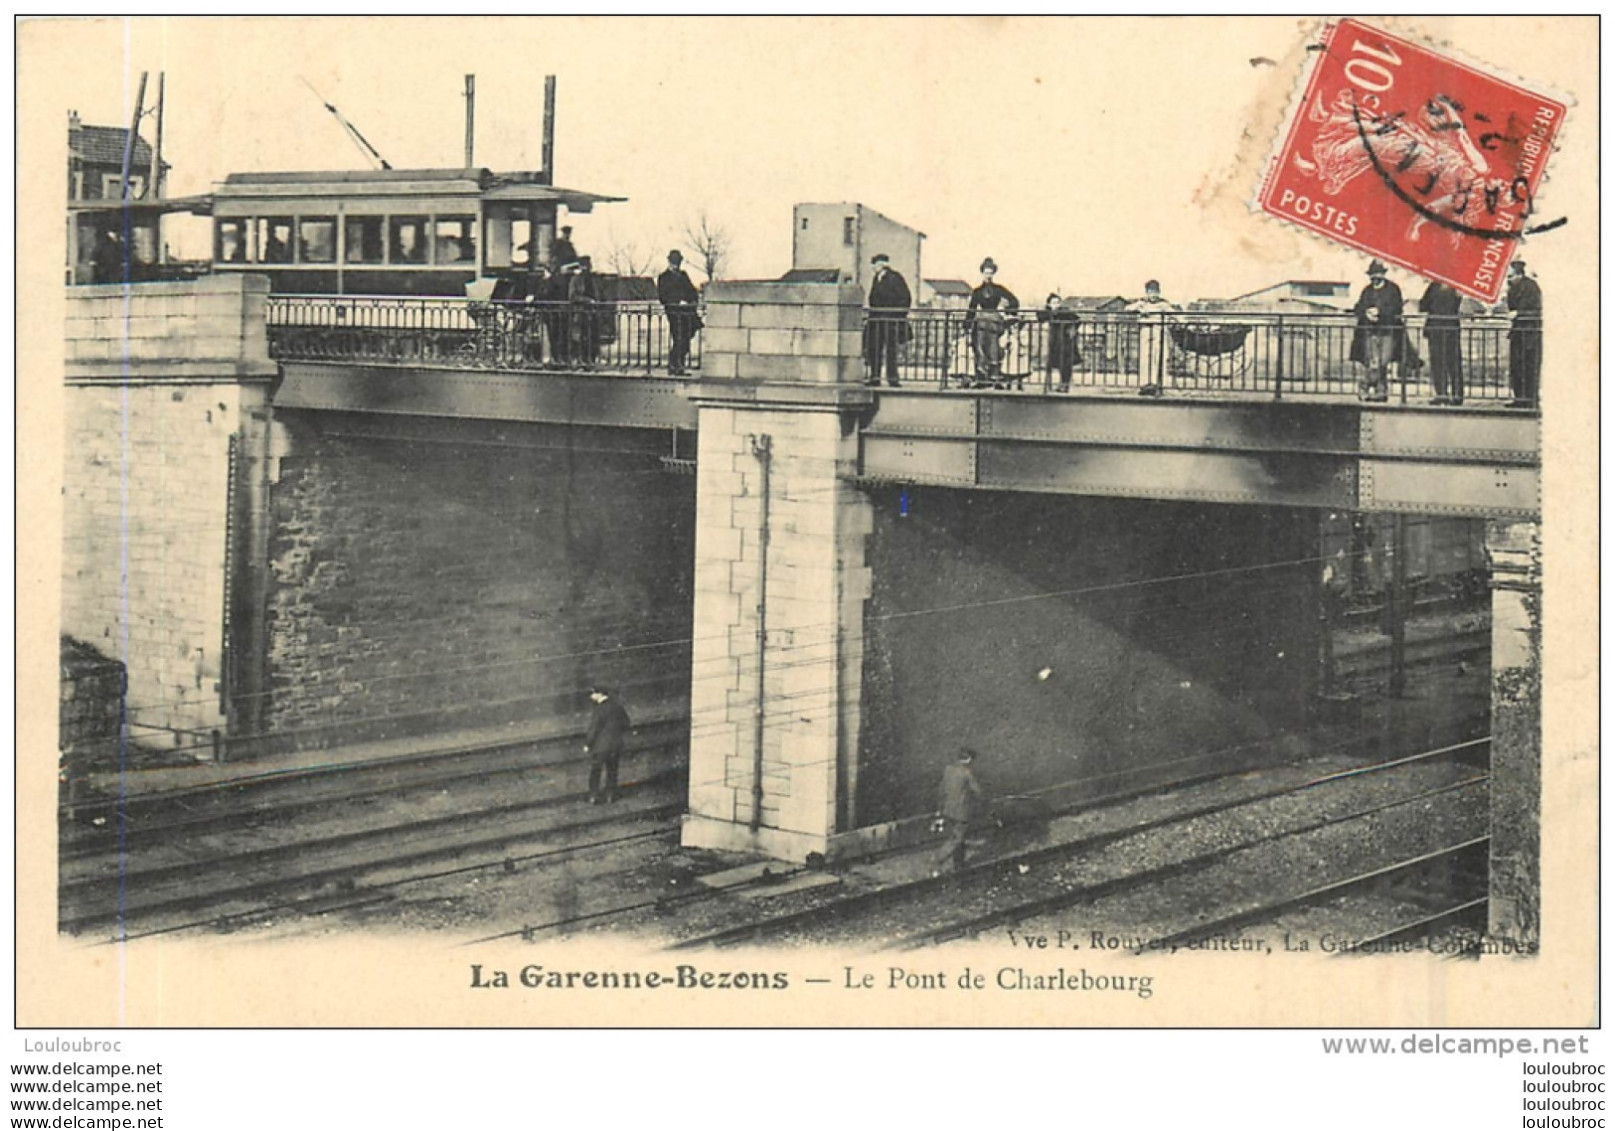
(470, 119)
(129, 139)
(155, 181)
(549, 130)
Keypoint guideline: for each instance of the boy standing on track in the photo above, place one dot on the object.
(603, 742)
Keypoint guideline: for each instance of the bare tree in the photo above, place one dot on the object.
(628, 258)
(709, 241)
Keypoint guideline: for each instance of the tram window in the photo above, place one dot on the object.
(316, 239)
(455, 238)
(232, 241)
(363, 239)
(274, 239)
(521, 236)
(407, 239)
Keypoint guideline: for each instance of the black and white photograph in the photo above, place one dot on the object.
(1029, 522)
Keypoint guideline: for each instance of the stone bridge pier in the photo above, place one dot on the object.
(780, 572)
(167, 434)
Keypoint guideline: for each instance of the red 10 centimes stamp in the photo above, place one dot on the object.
(1414, 157)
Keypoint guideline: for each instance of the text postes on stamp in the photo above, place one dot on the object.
(1414, 157)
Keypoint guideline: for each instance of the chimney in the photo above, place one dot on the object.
(73, 122)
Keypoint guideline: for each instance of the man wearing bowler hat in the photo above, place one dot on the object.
(887, 327)
(678, 297)
(1380, 337)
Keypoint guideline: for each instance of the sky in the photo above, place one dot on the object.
(1083, 155)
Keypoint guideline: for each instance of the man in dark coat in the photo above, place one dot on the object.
(603, 743)
(678, 297)
(108, 264)
(556, 314)
(1524, 337)
(1440, 307)
(887, 328)
(1381, 335)
(562, 252)
(960, 793)
(991, 308)
(1061, 349)
(583, 298)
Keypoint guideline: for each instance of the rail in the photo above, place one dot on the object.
(1485, 359)
(620, 337)
(1205, 351)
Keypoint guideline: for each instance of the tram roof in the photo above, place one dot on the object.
(200, 205)
(518, 186)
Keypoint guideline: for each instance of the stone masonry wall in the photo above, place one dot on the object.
(160, 378)
(808, 333)
(206, 329)
(780, 367)
(816, 582)
(420, 583)
(1515, 553)
(145, 494)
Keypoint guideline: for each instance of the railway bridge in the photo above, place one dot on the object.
(304, 521)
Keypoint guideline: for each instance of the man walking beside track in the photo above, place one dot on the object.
(960, 792)
(603, 743)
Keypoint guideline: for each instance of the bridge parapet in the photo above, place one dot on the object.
(808, 333)
(202, 330)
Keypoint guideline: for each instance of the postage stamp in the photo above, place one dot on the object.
(1413, 156)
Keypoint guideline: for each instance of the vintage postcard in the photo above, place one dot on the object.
(795, 522)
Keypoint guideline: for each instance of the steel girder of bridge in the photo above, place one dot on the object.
(1478, 462)
(613, 400)
(1475, 462)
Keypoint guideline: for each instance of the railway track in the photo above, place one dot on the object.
(671, 903)
(1375, 661)
(1020, 886)
(460, 811)
(1451, 892)
(361, 887)
(125, 823)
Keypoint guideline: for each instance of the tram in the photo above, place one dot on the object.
(415, 232)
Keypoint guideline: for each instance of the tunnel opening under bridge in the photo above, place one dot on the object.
(1090, 647)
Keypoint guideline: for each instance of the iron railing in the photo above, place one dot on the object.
(625, 337)
(1198, 352)
(1274, 355)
